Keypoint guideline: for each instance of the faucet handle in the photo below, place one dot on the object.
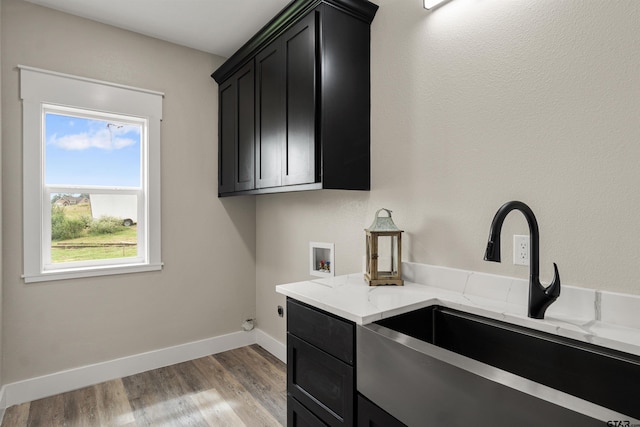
(540, 298)
(553, 290)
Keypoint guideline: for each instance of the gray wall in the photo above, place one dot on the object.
(475, 104)
(207, 286)
(1, 281)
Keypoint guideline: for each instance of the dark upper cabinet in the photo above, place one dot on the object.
(236, 152)
(300, 45)
(270, 115)
(285, 108)
(312, 101)
(228, 107)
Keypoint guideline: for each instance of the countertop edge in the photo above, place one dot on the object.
(585, 330)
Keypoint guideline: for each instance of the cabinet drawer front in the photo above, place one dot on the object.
(333, 335)
(321, 382)
(299, 416)
(371, 415)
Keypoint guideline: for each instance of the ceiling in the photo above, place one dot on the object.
(216, 26)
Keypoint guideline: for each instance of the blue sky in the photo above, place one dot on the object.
(82, 151)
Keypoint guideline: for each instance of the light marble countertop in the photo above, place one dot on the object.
(602, 318)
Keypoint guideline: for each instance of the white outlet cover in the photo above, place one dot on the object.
(521, 247)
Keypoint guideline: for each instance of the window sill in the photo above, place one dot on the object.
(91, 272)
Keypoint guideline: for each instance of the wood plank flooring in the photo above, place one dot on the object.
(241, 387)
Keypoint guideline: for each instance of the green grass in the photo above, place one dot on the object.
(88, 254)
(126, 235)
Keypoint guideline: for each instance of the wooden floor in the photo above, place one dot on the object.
(242, 387)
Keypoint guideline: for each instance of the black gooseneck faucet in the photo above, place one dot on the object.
(540, 298)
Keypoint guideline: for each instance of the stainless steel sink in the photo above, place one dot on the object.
(446, 367)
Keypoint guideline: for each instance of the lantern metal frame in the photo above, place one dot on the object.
(383, 227)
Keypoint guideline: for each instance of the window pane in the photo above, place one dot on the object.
(89, 227)
(82, 151)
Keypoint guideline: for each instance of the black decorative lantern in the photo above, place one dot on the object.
(384, 252)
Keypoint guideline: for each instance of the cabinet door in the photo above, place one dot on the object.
(301, 52)
(320, 382)
(327, 332)
(270, 115)
(299, 416)
(371, 415)
(245, 146)
(228, 102)
(237, 132)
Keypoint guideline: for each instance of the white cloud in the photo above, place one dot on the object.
(103, 138)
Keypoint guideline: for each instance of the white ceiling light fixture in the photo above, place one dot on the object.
(430, 4)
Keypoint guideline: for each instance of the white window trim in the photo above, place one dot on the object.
(38, 87)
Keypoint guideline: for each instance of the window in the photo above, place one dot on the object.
(91, 173)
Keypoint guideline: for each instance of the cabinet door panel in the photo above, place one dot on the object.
(327, 332)
(244, 177)
(227, 136)
(370, 415)
(299, 416)
(321, 382)
(270, 121)
(301, 61)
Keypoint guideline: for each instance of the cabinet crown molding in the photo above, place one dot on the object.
(292, 13)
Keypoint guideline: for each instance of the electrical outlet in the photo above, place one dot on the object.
(520, 250)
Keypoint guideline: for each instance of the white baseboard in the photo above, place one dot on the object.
(272, 345)
(73, 379)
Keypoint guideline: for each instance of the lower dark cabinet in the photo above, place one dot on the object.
(328, 333)
(299, 416)
(321, 382)
(321, 376)
(371, 415)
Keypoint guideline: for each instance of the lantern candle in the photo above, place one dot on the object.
(384, 252)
